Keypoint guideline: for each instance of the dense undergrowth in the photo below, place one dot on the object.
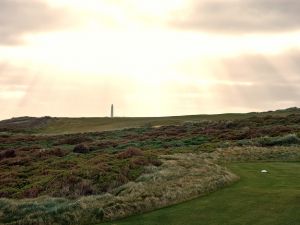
(97, 176)
(92, 163)
(180, 178)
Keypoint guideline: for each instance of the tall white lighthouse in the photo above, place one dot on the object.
(112, 111)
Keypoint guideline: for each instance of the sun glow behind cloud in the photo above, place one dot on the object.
(127, 53)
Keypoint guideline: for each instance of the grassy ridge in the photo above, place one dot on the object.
(98, 124)
(261, 199)
(75, 125)
(56, 125)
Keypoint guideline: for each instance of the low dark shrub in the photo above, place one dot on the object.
(7, 154)
(74, 140)
(141, 161)
(155, 162)
(31, 193)
(7, 192)
(174, 131)
(107, 144)
(57, 152)
(130, 152)
(84, 188)
(4, 135)
(81, 148)
(18, 161)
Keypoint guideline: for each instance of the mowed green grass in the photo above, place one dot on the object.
(257, 199)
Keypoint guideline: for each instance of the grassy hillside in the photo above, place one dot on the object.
(76, 165)
(260, 199)
(98, 124)
(87, 178)
(75, 125)
(51, 125)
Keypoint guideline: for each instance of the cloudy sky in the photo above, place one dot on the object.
(149, 58)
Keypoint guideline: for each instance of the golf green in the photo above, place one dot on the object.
(258, 198)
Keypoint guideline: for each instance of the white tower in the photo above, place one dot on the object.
(112, 111)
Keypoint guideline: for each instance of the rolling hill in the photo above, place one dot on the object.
(64, 125)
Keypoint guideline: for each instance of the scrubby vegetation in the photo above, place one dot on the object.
(86, 178)
(181, 177)
(28, 172)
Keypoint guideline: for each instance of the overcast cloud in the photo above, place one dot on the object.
(20, 17)
(123, 53)
(240, 16)
(274, 80)
(242, 83)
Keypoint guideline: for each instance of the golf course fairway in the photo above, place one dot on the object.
(271, 198)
